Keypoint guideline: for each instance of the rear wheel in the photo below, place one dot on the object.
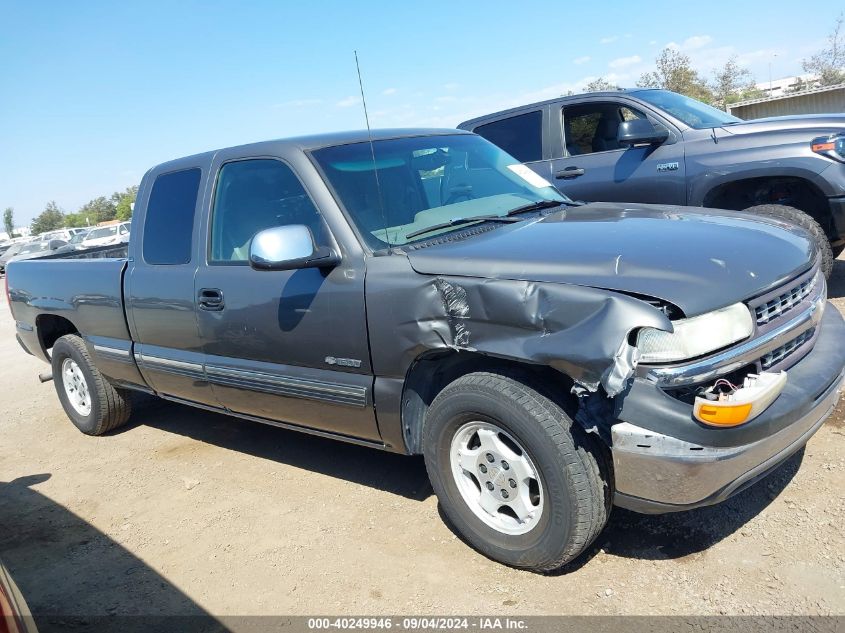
(92, 403)
(515, 476)
(799, 218)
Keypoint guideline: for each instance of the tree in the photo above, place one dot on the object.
(732, 83)
(74, 220)
(123, 202)
(829, 64)
(799, 86)
(49, 219)
(675, 72)
(9, 221)
(600, 85)
(98, 210)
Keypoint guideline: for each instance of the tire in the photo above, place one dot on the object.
(799, 218)
(571, 498)
(105, 408)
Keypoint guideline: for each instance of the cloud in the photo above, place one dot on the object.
(581, 60)
(623, 62)
(348, 102)
(765, 55)
(388, 91)
(451, 86)
(608, 40)
(693, 43)
(696, 42)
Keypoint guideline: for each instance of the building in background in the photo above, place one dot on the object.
(824, 100)
(784, 85)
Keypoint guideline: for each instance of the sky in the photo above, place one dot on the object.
(94, 93)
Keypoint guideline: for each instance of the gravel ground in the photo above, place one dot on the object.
(189, 512)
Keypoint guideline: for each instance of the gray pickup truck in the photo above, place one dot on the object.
(423, 292)
(657, 146)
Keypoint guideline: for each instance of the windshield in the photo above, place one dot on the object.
(14, 249)
(416, 183)
(31, 248)
(694, 113)
(104, 232)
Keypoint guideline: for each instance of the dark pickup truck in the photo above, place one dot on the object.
(657, 146)
(420, 291)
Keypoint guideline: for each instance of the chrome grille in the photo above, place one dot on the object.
(784, 302)
(777, 355)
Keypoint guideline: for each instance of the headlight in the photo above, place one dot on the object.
(696, 336)
(832, 146)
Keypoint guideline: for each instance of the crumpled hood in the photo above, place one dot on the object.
(697, 259)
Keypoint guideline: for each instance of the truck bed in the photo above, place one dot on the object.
(86, 292)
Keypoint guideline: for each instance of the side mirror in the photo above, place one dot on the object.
(640, 132)
(289, 248)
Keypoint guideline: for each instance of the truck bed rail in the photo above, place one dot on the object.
(116, 251)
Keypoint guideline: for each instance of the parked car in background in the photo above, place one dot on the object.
(13, 250)
(60, 234)
(421, 291)
(657, 146)
(105, 235)
(123, 230)
(38, 249)
(74, 244)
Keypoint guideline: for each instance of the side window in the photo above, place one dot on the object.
(520, 136)
(580, 125)
(253, 195)
(594, 127)
(169, 223)
(629, 114)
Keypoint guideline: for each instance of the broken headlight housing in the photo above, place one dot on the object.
(696, 336)
(832, 146)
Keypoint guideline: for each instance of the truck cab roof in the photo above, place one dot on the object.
(314, 141)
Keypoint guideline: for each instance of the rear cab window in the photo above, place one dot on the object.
(521, 136)
(169, 221)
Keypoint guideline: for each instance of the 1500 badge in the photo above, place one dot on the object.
(668, 166)
(343, 362)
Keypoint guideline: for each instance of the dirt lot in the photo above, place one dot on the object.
(189, 512)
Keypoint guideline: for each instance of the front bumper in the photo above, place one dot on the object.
(657, 471)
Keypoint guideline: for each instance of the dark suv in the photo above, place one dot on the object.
(656, 146)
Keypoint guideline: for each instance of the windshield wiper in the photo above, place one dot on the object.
(542, 204)
(460, 221)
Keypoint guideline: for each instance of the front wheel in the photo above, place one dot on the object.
(515, 476)
(799, 218)
(92, 403)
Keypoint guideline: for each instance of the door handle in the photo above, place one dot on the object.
(210, 299)
(569, 173)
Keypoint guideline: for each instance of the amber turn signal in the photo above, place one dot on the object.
(823, 147)
(727, 415)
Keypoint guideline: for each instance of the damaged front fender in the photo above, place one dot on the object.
(580, 331)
